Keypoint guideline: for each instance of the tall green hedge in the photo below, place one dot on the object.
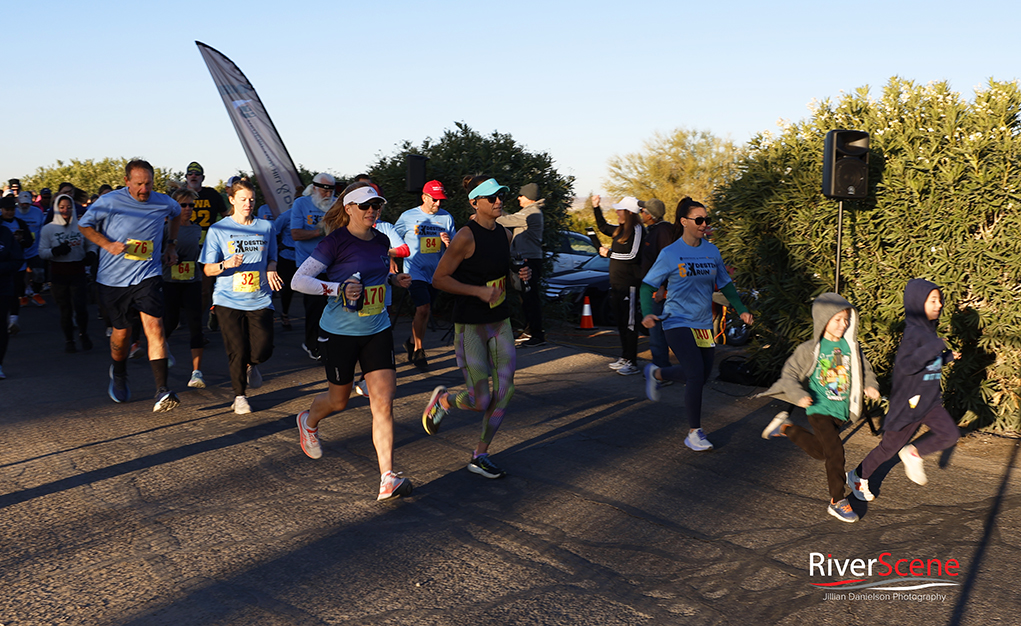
(943, 205)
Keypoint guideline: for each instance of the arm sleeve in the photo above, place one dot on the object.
(305, 280)
(601, 224)
(914, 360)
(734, 298)
(402, 251)
(646, 296)
(636, 247)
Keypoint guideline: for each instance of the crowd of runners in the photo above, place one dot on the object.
(152, 261)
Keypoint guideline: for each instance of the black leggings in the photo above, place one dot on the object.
(248, 340)
(187, 297)
(625, 309)
(695, 366)
(71, 295)
(286, 269)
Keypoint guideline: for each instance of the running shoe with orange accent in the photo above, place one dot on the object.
(309, 437)
(392, 486)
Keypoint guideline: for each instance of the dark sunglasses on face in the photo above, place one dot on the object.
(191, 204)
(699, 220)
(500, 195)
(375, 206)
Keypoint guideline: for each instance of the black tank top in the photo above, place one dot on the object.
(489, 264)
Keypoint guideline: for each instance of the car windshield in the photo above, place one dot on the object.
(596, 264)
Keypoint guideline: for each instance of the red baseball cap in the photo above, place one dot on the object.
(434, 189)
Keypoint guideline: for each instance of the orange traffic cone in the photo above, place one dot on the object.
(586, 315)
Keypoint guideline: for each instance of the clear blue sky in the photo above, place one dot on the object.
(347, 83)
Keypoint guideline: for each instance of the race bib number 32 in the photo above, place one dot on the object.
(429, 245)
(374, 299)
(246, 282)
(501, 283)
(138, 250)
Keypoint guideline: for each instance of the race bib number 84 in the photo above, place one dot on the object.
(429, 245)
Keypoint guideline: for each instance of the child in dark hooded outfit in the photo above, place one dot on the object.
(916, 397)
(827, 376)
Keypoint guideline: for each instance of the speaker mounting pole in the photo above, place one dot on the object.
(840, 228)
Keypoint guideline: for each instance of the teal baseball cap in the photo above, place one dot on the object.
(487, 188)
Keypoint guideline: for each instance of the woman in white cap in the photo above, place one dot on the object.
(241, 252)
(475, 268)
(625, 276)
(355, 259)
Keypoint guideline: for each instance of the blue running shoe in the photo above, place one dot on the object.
(842, 511)
(118, 390)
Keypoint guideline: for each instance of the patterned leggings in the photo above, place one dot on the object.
(485, 350)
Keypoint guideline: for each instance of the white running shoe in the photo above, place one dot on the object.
(859, 487)
(254, 377)
(696, 441)
(197, 382)
(362, 388)
(651, 384)
(775, 428)
(241, 406)
(392, 486)
(308, 437)
(619, 363)
(913, 465)
(628, 369)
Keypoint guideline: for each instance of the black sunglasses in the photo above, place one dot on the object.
(191, 204)
(699, 220)
(376, 206)
(499, 195)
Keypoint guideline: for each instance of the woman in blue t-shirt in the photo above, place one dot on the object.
(355, 258)
(241, 252)
(692, 268)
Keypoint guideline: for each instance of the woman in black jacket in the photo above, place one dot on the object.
(625, 276)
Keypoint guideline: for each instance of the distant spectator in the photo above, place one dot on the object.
(527, 226)
(63, 245)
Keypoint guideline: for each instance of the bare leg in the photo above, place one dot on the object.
(418, 324)
(382, 388)
(153, 327)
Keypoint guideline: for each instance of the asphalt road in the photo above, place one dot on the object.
(111, 514)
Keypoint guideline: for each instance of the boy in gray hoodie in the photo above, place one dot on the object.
(61, 243)
(827, 376)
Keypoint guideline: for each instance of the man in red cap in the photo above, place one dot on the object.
(426, 230)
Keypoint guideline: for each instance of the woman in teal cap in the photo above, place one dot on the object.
(475, 268)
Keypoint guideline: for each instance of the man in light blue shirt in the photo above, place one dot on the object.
(306, 213)
(128, 226)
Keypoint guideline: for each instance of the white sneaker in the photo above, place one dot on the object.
(775, 428)
(254, 377)
(913, 465)
(197, 382)
(619, 363)
(241, 406)
(859, 487)
(628, 369)
(696, 441)
(308, 437)
(362, 388)
(651, 384)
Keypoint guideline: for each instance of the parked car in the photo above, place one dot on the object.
(575, 249)
(592, 279)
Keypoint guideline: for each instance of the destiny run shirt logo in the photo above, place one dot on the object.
(696, 268)
(243, 245)
(896, 575)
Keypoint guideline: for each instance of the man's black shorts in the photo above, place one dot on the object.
(145, 297)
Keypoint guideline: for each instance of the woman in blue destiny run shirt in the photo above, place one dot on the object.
(356, 260)
(241, 252)
(692, 269)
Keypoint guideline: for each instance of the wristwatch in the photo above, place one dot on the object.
(171, 241)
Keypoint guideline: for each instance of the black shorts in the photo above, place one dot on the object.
(422, 293)
(145, 297)
(372, 352)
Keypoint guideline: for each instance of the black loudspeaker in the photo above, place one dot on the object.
(415, 177)
(845, 164)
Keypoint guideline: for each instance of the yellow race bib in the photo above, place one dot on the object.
(703, 338)
(138, 250)
(183, 271)
(246, 282)
(429, 245)
(502, 284)
(374, 300)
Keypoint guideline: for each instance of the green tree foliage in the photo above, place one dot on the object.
(89, 175)
(682, 163)
(943, 205)
(461, 152)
